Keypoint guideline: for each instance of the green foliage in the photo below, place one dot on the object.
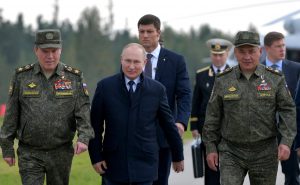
(82, 172)
(93, 47)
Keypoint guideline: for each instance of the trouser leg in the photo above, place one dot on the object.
(31, 167)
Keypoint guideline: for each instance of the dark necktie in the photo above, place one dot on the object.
(218, 71)
(131, 83)
(274, 66)
(148, 67)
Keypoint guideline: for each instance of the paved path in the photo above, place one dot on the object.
(187, 177)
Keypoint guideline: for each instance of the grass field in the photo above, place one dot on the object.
(82, 172)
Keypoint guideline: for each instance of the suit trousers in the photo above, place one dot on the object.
(109, 182)
(164, 165)
(55, 164)
(290, 168)
(211, 177)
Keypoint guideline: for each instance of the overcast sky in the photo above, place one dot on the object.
(227, 15)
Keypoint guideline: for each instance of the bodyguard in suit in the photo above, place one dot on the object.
(127, 107)
(297, 103)
(205, 79)
(274, 44)
(169, 68)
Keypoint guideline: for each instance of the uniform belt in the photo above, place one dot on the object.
(25, 145)
(260, 143)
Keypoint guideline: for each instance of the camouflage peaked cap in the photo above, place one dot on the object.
(48, 38)
(218, 46)
(246, 38)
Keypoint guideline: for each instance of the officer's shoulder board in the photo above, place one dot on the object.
(203, 69)
(275, 71)
(24, 68)
(72, 70)
(226, 71)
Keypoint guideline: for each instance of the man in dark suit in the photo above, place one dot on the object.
(297, 103)
(275, 49)
(168, 68)
(205, 79)
(127, 107)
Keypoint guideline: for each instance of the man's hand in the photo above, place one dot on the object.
(195, 134)
(213, 161)
(180, 128)
(283, 152)
(178, 166)
(80, 147)
(100, 167)
(11, 161)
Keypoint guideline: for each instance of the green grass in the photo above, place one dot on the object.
(82, 172)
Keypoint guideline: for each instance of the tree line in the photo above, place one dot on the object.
(93, 47)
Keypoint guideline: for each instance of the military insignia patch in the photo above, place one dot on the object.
(286, 87)
(31, 93)
(218, 46)
(232, 89)
(10, 89)
(63, 84)
(64, 93)
(263, 87)
(49, 36)
(32, 85)
(24, 68)
(232, 96)
(72, 70)
(85, 90)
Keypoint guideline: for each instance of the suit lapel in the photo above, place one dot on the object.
(123, 89)
(286, 72)
(161, 64)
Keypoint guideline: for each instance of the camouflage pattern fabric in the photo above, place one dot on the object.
(34, 164)
(241, 122)
(44, 114)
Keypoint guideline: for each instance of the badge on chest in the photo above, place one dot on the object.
(31, 90)
(63, 87)
(263, 88)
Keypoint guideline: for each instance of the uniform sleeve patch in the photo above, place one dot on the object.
(11, 89)
(85, 90)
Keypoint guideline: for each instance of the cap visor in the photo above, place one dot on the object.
(217, 52)
(49, 45)
(249, 44)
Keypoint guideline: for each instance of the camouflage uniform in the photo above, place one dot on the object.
(44, 114)
(240, 122)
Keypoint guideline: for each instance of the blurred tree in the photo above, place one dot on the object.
(93, 46)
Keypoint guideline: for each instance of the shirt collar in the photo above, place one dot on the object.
(155, 52)
(221, 68)
(278, 63)
(136, 81)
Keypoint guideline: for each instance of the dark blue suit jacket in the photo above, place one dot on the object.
(291, 71)
(172, 73)
(130, 146)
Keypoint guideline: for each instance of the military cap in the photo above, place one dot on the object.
(48, 38)
(218, 46)
(246, 38)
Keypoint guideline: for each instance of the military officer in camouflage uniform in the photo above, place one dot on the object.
(241, 118)
(48, 102)
(205, 77)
